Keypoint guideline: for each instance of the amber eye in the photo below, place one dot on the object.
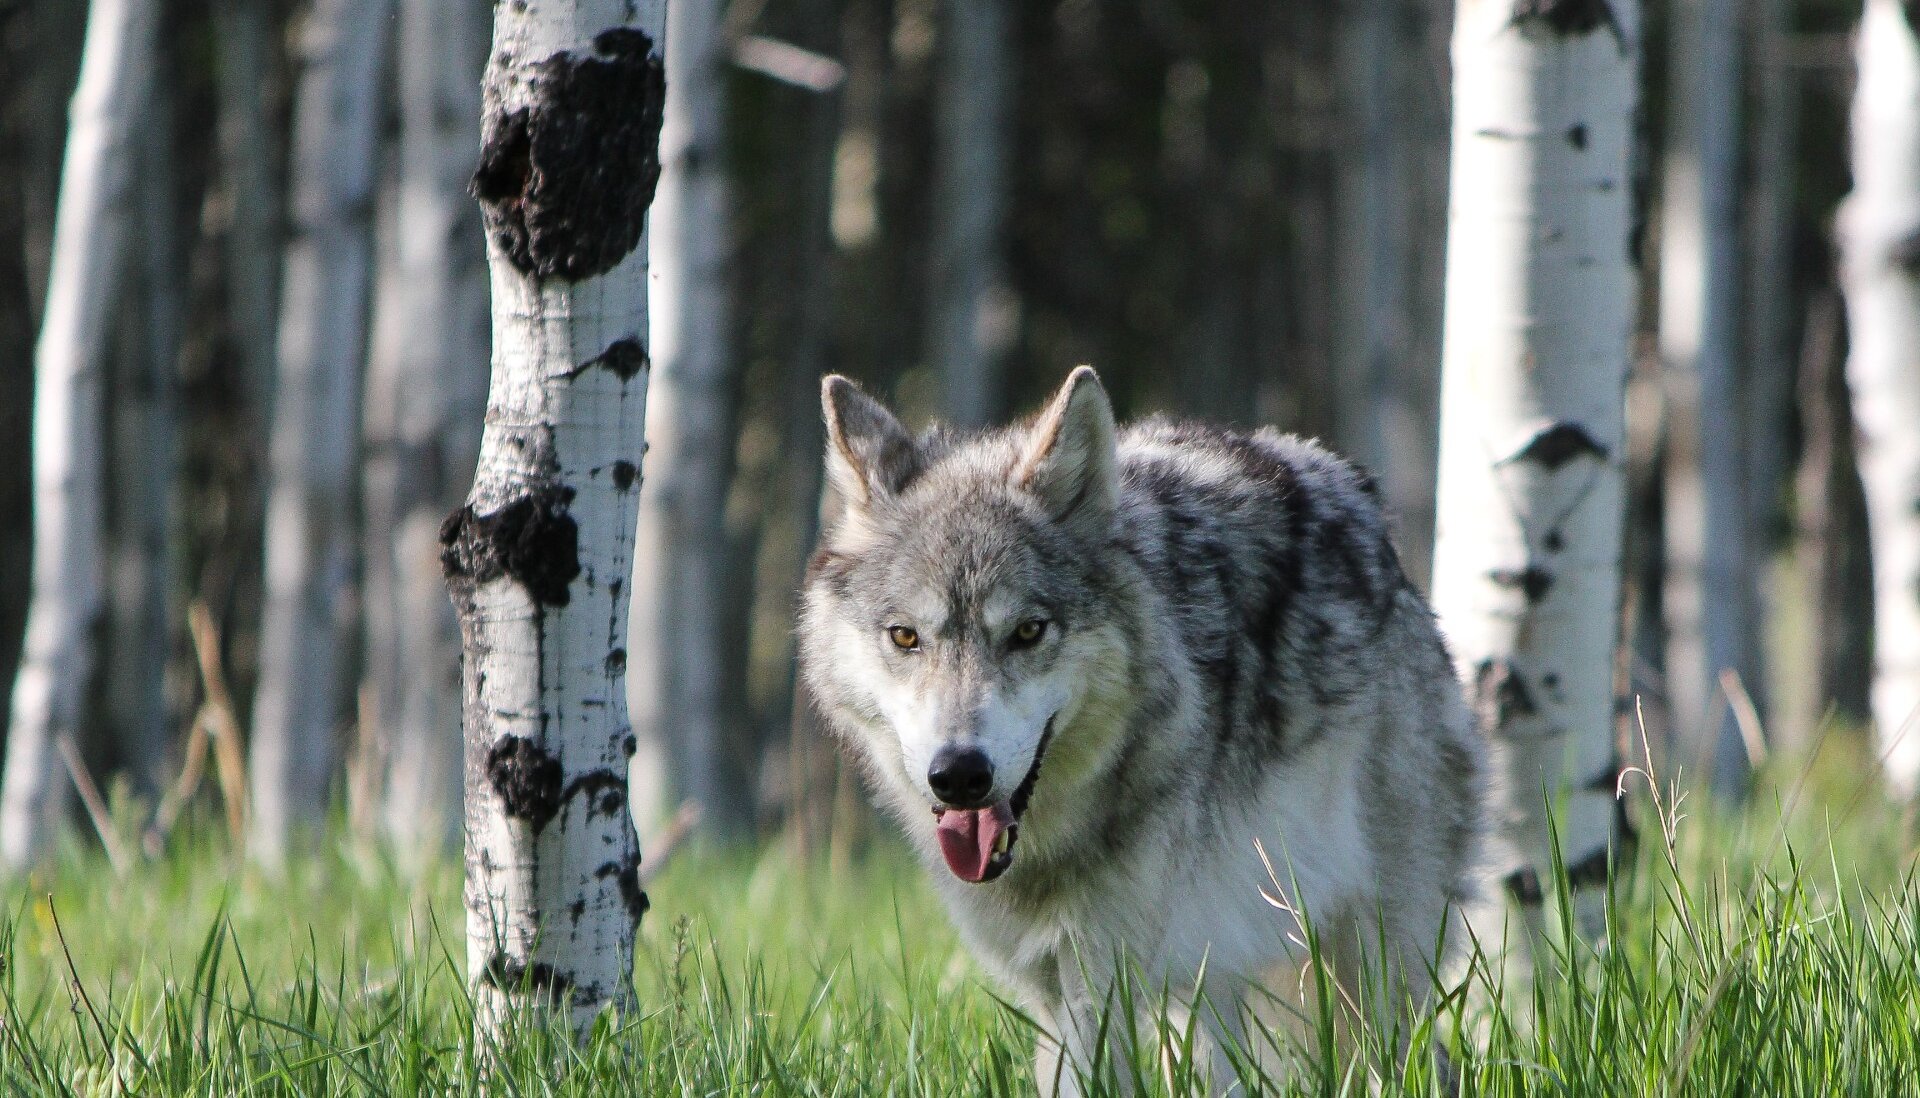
(903, 638)
(1028, 633)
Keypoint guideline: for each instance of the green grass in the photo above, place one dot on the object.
(1755, 955)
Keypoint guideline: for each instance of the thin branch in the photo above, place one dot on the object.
(96, 805)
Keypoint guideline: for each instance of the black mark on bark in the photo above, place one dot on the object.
(626, 875)
(565, 182)
(1500, 695)
(1590, 871)
(623, 358)
(527, 778)
(512, 974)
(617, 663)
(1558, 443)
(1532, 581)
(1567, 18)
(1904, 253)
(606, 790)
(1577, 136)
(532, 539)
(1524, 886)
(624, 474)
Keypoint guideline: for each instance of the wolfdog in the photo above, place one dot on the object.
(1149, 703)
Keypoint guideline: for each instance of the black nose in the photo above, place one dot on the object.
(961, 776)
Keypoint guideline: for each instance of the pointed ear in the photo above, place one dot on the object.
(1069, 460)
(869, 454)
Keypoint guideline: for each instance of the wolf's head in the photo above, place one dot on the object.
(961, 626)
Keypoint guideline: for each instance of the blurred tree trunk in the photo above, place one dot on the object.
(140, 526)
(310, 551)
(1714, 625)
(1387, 320)
(1833, 530)
(247, 147)
(972, 325)
(1375, 245)
(1880, 241)
(425, 401)
(539, 559)
(21, 111)
(684, 638)
(85, 284)
(1772, 313)
(1539, 326)
(811, 760)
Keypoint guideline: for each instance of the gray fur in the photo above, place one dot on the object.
(1232, 653)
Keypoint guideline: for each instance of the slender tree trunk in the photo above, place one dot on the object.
(1880, 239)
(1833, 535)
(972, 323)
(248, 146)
(1772, 312)
(684, 636)
(140, 527)
(1388, 321)
(425, 402)
(1700, 329)
(1539, 324)
(1374, 242)
(540, 558)
(311, 547)
(19, 79)
(84, 287)
(811, 758)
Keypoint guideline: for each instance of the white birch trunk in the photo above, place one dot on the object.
(972, 324)
(1712, 618)
(85, 283)
(425, 401)
(1539, 322)
(310, 545)
(540, 558)
(682, 639)
(1880, 241)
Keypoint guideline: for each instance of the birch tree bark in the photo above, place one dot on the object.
(683, 638)
(85, 283)
(972, 324)
(539, 559)
(1712, 605)
(310, 544)
(1539, 320)
(425, 401)
(1880, 242)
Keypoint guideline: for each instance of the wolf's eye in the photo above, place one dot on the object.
(903, 638)
(1028, 633)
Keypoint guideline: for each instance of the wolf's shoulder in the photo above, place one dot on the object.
(1161, 453)
(1254, 514)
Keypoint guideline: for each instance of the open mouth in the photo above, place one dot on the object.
(978, 842)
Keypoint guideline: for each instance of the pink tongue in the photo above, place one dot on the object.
(967, 836)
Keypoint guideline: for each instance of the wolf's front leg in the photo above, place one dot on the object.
(1064, 1056)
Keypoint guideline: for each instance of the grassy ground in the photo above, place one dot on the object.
(1749, 956)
